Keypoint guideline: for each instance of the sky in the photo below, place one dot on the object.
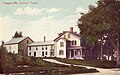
(39, 18)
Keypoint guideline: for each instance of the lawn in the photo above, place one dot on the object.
(92, 63)
(37, 66)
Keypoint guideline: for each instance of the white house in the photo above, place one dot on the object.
(68, 45)
(41, 49)
(18, 45)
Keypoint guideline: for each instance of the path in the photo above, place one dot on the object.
(114, 71)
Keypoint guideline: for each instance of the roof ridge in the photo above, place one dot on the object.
(74, 33)
(16, 40)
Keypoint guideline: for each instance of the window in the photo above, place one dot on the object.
(27, 41)
(74, 42)
(42, 53)
(42, 48)
(9, 47)
(29, 53)
(61, 44)
(29, 48)
(51, 53)
(34, 53)
(46, 53)
(68, 35)
(61, 52)
(36, 48)
(64, 36)
(46, 48)
(52, 46)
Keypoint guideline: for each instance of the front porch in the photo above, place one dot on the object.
(74, 53)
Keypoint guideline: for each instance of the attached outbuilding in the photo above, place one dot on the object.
(41, 49)
(18, 45)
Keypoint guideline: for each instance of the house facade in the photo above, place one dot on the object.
(68, 45)
(41, 49)
(18, 45)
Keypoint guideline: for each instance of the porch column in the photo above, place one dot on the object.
(74, 53)
(78, 53)
(70, 53)
(81, 52)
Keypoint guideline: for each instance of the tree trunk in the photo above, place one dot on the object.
(101, 51)
(118, 53)
(91, 51)
(117, 48)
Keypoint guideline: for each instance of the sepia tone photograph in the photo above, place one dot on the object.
(59, 37)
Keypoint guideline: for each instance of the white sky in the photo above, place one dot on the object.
(46, 18)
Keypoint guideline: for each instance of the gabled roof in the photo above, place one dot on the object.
(40, 43)
(73, 33)
(62, 39)
(16, 40)
(75, 47)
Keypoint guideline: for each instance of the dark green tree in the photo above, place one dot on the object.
(6, 61)
(20, 34)
(101, 21)
(17, 34)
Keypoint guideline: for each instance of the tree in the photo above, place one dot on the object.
(20, 34)
(17, 34)
(6, 60)
(101, 21)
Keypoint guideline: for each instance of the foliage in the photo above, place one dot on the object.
(17, 34)
(36, 65)
(101, 21)
(6, 60)
(105, 18)
(15, 63)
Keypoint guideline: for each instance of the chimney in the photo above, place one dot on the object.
(44, 38)
(2, 44)
(71, 29)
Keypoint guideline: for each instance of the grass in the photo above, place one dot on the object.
(37, 64)
(92, 63)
